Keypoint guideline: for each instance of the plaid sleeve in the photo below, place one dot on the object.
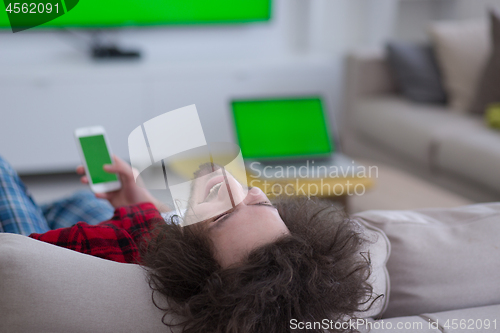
(137, 220)
(116, 239)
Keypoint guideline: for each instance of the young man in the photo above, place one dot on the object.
(258, 267)
(251, 268)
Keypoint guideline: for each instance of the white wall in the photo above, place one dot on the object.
(415, 16)
(464, 9)
(337, 26)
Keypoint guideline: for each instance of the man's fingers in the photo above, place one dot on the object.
(80, 170)
(121, 167)
(111, 168)
(102, 195)
(84, 180)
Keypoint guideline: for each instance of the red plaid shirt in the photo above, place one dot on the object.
(116, 239)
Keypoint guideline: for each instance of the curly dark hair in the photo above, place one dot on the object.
(317, 272)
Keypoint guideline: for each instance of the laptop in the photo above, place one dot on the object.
(279, 134)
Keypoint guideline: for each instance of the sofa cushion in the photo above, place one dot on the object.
(473, 153)
(408, 128)
(441, 259)
(379, 250)
(49, 289)
(409, 324)
(480, 319)
(488, 89)
(462, 49)
(416, 72)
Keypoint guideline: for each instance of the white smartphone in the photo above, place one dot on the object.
(95, 152)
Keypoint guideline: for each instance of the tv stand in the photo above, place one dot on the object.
(101, 52)
(104, 47)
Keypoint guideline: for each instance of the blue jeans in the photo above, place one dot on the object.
(20, 214)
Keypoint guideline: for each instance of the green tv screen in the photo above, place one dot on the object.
(282, 128)
(121, 13)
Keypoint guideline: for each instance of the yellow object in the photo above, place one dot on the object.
(493, 115)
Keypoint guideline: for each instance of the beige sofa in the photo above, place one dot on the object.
(433, 138)
(443, 266)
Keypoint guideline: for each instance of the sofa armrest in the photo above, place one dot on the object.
(48, 289)
(367, 73)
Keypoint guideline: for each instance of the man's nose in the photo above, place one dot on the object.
(235, 189)
(253, 194)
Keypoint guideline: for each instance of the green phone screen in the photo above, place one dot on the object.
(96, 155)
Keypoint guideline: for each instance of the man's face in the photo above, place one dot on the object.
(236, 219)
(214, 191)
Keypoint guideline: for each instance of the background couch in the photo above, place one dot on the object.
(431, 140)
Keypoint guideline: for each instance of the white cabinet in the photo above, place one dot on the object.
(37, 121)
(41, 107)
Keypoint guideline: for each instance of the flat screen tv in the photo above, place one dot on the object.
(98, 14)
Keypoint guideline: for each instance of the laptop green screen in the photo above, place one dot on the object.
(282, 128)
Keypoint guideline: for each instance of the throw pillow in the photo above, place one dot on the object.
(488, 89)
(416, 72)
(462, 49)
(493, 115)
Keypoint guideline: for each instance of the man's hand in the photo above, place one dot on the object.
(131, 193)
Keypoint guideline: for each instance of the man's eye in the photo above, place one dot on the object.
(265, 203)
(220, 217)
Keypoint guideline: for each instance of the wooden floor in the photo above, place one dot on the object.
(396, 190)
